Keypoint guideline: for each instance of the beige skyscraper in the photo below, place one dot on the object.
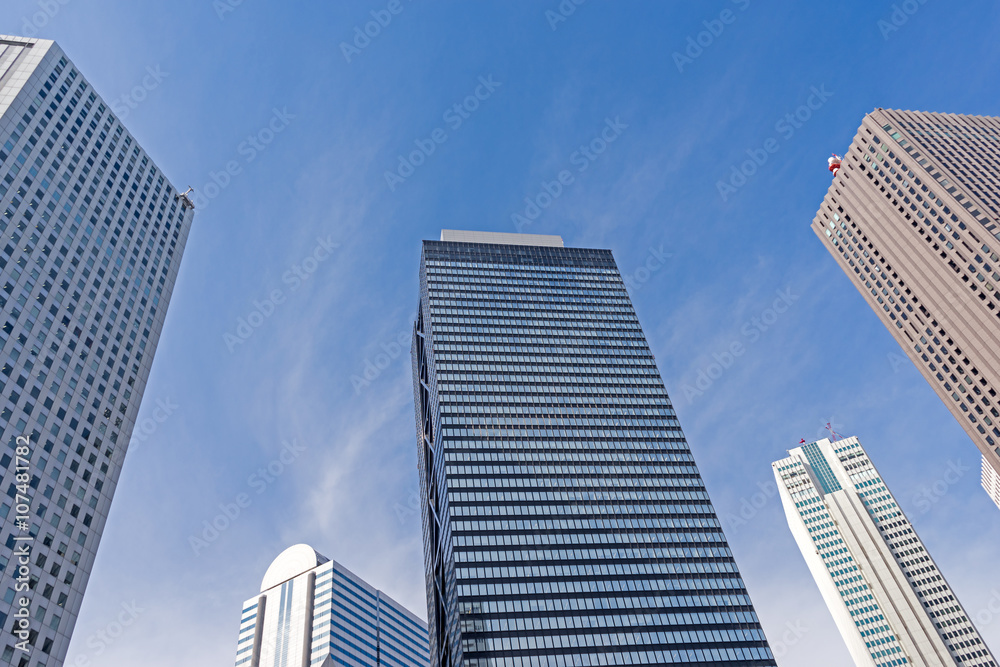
(912, 217)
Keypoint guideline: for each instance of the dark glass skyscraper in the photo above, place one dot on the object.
(565, 521)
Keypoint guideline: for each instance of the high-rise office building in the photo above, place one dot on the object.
(991, 482)
(314, 611)
(92, 236)
(565, 521)
(889, 600)
(913, 219)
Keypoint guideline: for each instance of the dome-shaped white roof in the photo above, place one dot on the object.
(290, 563)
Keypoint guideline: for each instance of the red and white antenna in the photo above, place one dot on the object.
(834, 163)
(833, 434)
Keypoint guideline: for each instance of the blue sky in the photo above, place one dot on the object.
(288, 141)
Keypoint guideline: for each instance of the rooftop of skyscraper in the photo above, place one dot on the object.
(502, 238)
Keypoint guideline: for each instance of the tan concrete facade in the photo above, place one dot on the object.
(912, 219)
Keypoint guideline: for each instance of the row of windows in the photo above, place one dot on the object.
(511, 300)
(510, 277)
(566, 383)
(550, 416)
(441, 258)
(584, 321)
(602, 358)
(488, 270)
(557, 406)
(463, 416)
(508, 539)
(554, 555)
(598, 586)
(590, 509)
(471, 291)
(652, 637)
(568, 437)
(596, 467)
(570, 372)
(719, 608)
(626, 522)
(531, 308)
(524, 319)
(531, 311)
(535, 333)
(590, 496)
(458, 481)
(600, 336)
(592, 569)
(674, 620)
(542, 457)
(594, 345)
(507, 393)
(507, 282)
(746, 656)
(597, 333)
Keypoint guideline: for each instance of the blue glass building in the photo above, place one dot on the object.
(314, 611)
(565, 521)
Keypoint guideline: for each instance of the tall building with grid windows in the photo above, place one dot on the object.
(565, 521)
(991, 482)
(913, 219)
(314, 611)
(92, 236)
(889, 600)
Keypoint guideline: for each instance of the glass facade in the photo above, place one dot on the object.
(92, 236)
(314, 611)
(565, 521)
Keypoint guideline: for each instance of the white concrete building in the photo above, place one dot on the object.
(314, 611)
(93, 234)
(991, 481)
(890, 602)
